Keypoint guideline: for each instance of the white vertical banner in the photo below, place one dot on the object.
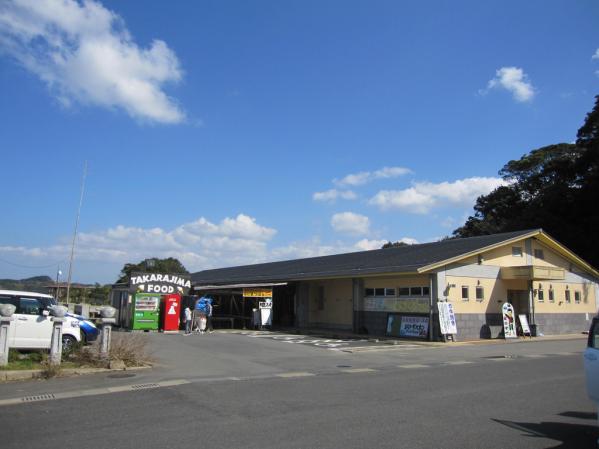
(447, 318)
(509, 321)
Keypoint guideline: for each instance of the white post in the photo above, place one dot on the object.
(58, 318)
(6, 312)
(106, 322)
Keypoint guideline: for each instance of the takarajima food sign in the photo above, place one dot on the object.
(160, 283)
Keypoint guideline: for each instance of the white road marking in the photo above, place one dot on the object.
(358, 370)
(458, 362)
(413, 366)
(298, 374)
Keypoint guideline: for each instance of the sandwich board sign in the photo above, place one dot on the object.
(524, 324)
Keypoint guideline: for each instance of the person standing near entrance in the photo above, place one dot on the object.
(188, 321)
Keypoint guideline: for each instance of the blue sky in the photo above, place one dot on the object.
(226, 133)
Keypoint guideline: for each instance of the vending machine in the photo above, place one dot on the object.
(146, 311)
(171, 312)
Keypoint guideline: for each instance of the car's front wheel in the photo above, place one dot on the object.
(68, 343)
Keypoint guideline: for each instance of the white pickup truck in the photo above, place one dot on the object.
(591, 364)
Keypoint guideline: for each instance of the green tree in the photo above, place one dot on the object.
(391, 244)
(153, 265)
(555, 188)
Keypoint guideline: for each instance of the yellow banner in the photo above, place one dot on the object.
(257, 292)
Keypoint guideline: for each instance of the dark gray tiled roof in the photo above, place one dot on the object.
(379, 261)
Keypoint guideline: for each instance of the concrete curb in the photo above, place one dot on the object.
(6, 376)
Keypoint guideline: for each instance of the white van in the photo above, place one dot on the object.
(32, 324)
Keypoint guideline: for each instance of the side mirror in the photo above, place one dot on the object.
(45, 313)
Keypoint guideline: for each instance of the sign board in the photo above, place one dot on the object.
(410, 326)
(265, 312)
(160, 283)
(259, 292)
(524, 324)
(509, 321)
(447, 318)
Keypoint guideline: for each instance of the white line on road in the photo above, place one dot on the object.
(413, 366)
(358, 370)
(458, 362)
(298, 374)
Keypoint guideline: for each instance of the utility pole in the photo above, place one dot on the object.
(75, 232)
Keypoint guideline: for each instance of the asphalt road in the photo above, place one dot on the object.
(234, 391)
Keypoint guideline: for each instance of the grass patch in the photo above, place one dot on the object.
(129, 348)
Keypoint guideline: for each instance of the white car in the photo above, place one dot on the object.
(32, 324)
(591, 363)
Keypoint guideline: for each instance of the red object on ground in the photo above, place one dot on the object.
(172, 311)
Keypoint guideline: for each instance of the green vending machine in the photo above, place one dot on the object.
(146, 311)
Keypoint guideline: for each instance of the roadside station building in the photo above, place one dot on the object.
(365, 292)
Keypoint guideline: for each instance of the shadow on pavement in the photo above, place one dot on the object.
(571, 436)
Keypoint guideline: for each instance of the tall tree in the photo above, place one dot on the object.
(555, 188)
(153, 265)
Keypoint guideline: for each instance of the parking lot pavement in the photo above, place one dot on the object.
(226, 356)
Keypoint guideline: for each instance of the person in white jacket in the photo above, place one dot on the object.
(188, 321)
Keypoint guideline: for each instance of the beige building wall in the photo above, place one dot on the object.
(502, 257)
(331, 303)
(496, 289)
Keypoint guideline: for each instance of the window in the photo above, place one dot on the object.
(29, 306)
(465, 293)
(551, 296)
(577, 297)
(480, 293)
(425, 291)
(541, 294)
(404, 291)
(8, 300)
(539, 254)
(415, 291)
(379, 292)
(517, 251)
(568, 300)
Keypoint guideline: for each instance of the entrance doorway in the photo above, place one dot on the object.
(519, 299)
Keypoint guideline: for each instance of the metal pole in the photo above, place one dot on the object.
(58, 273)
(75, 232)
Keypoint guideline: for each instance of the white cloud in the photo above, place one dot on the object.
(85, 54)
(514, 80)
(350, 223)
(333, 194)
(367, 245)
(364, 177)
(596, 55)
(423, 196)
(199, 245)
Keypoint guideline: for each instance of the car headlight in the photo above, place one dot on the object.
(74, 323)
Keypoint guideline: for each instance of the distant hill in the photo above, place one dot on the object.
(34, 284)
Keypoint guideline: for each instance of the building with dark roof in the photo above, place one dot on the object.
(396, 291)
